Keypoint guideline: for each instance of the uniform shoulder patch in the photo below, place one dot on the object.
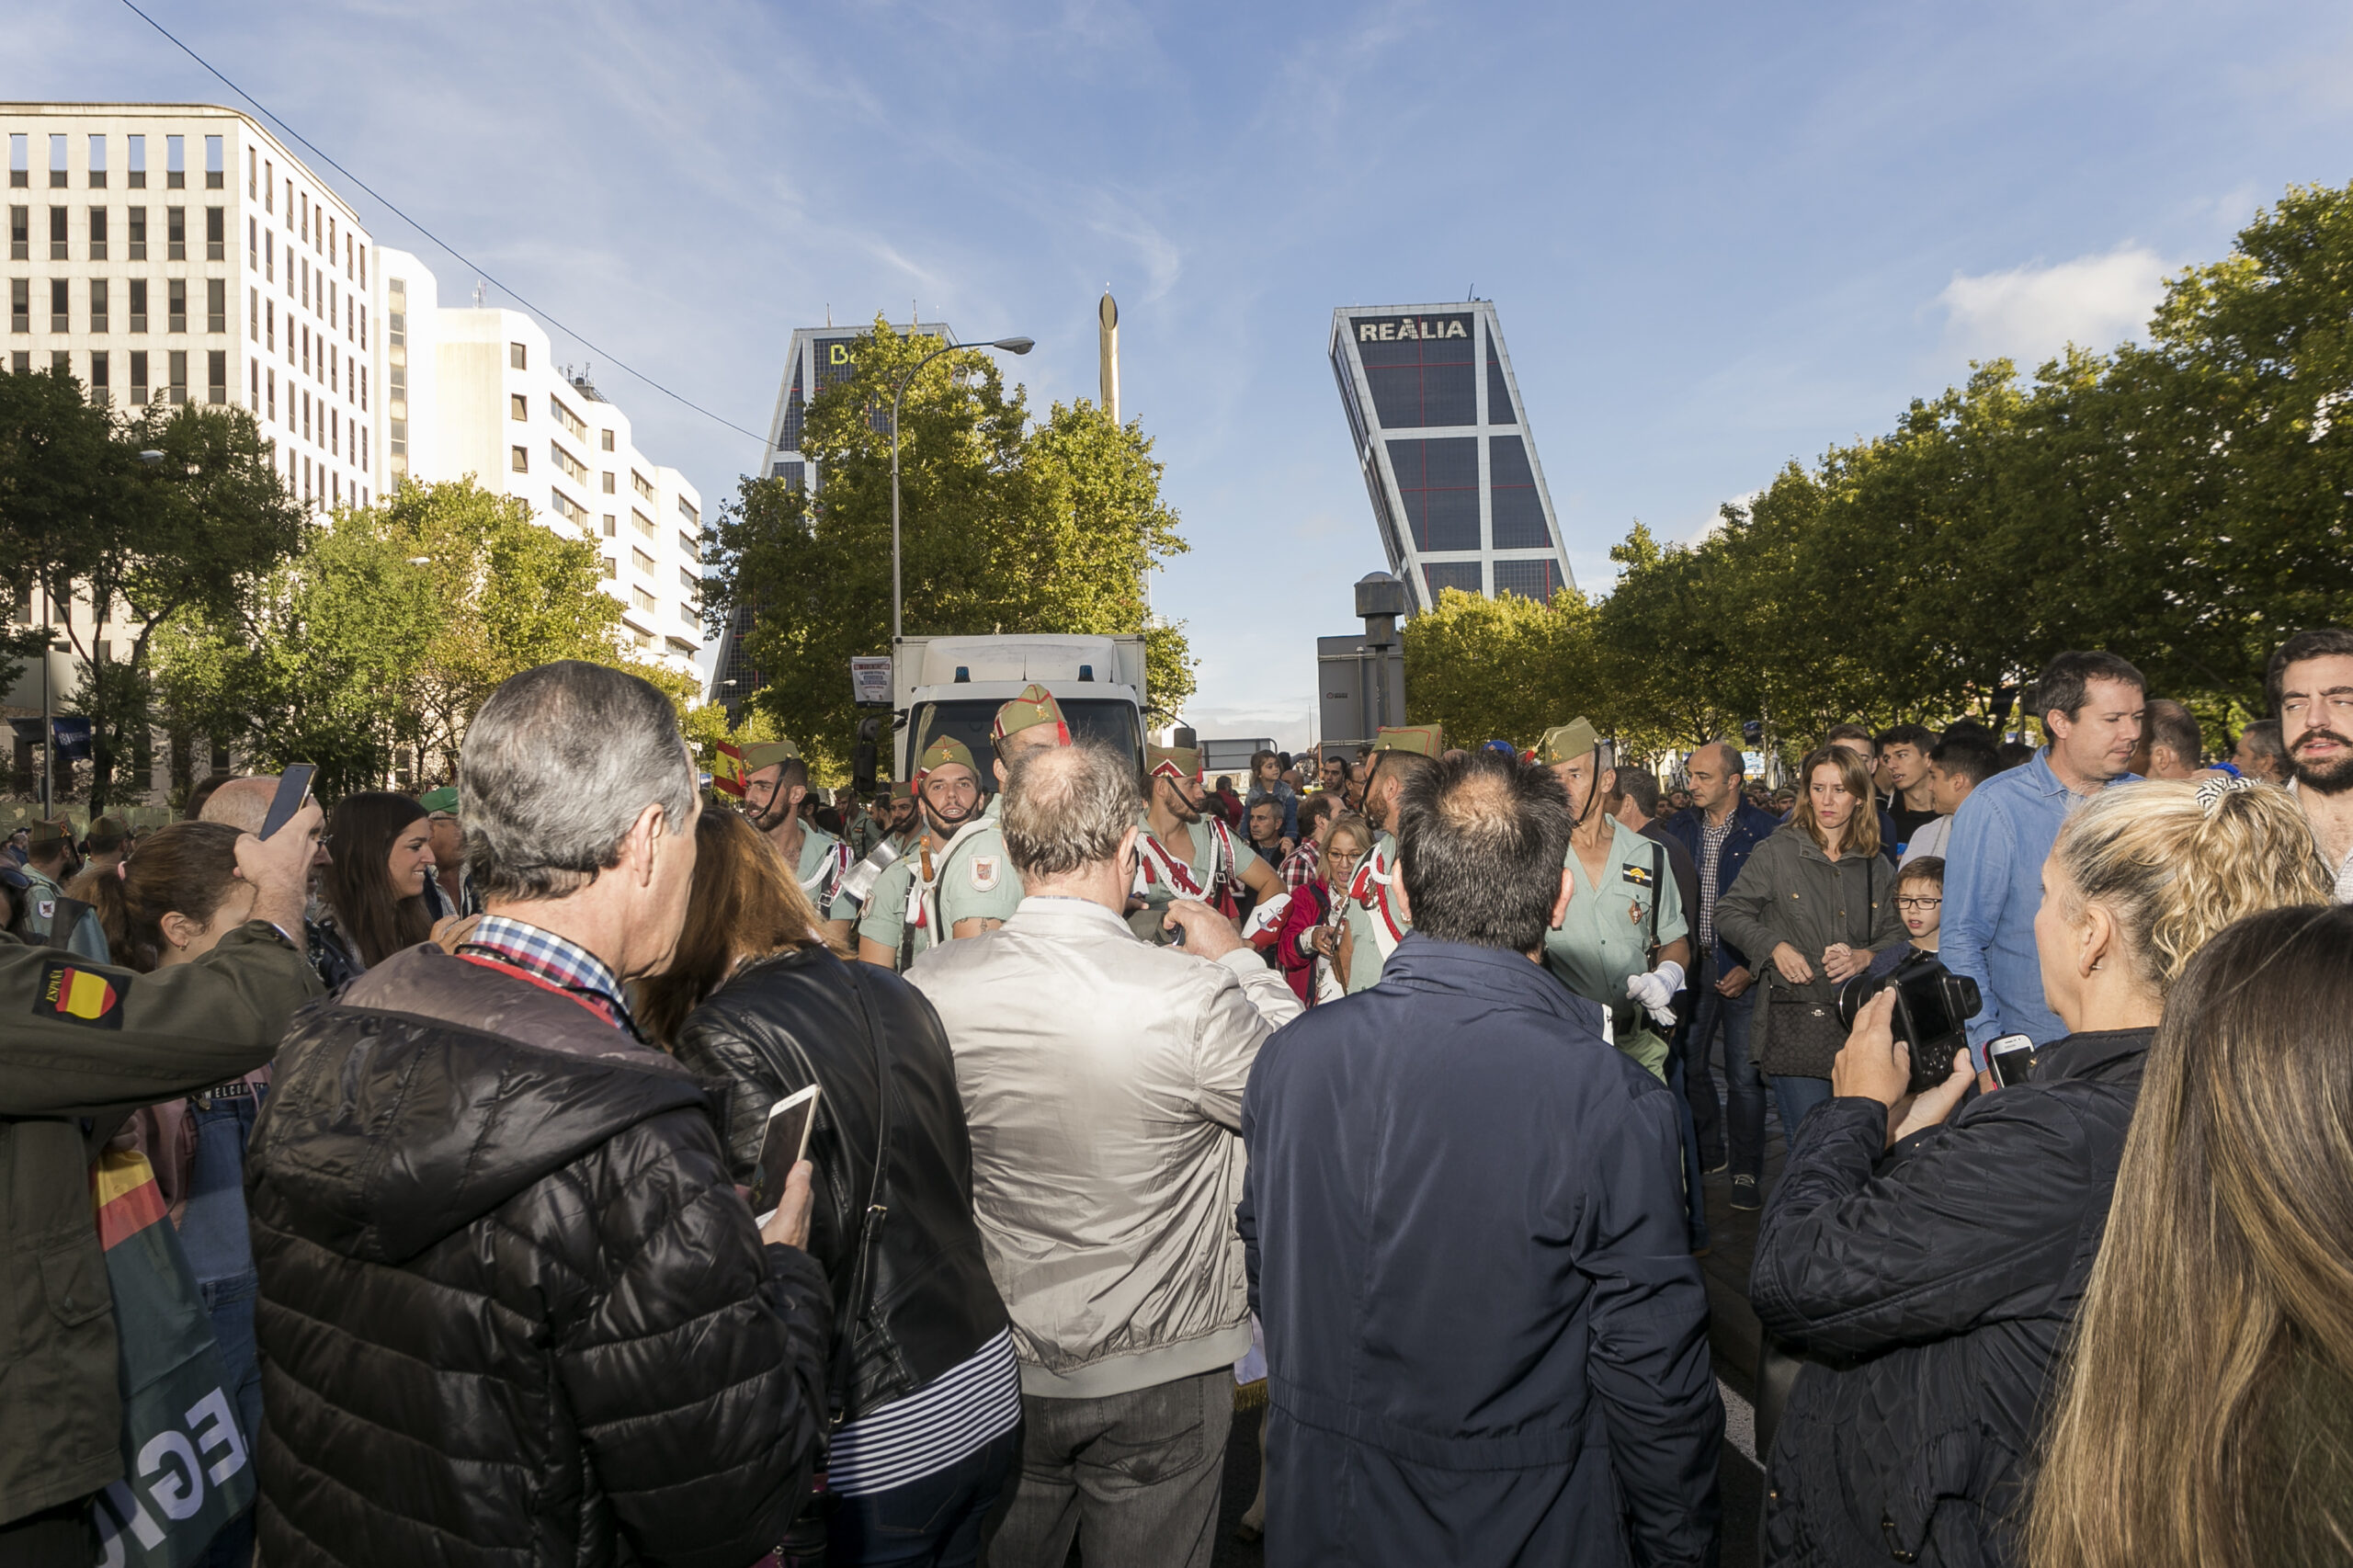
(985, 873)
(76, 995)
(1638, 875)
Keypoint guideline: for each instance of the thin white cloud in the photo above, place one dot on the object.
(2030, 313)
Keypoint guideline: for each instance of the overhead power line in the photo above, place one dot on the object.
(606, 354)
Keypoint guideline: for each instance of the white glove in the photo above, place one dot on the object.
(1655, 991)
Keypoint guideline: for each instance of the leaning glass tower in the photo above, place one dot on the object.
(1448, 458)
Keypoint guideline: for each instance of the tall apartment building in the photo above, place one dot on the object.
(170, 253)
(477, 391)
(1448, 461)
(820, 356)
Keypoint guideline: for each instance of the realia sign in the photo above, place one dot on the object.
(1393, 329)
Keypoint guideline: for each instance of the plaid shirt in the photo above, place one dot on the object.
(1299, 870)
(1712, 849)
(562, 963)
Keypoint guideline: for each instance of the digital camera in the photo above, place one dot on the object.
(1933, 1006)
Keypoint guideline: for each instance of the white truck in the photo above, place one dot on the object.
(953, 686)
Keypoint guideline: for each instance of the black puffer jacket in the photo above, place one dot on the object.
(513, 1312)
(1933, 1285)
(797, 1018)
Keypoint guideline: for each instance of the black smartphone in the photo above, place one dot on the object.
(2011, 1058)
(293, 794)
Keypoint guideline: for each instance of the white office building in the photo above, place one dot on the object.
(1448, 459)
(477, 391)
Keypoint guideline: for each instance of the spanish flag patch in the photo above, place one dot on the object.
(78, 995)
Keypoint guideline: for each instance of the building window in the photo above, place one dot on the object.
(252, 244)
(212, 164)
(688, 581)
(17, 178)
(216, 305)
(57, 234)
(607, 436)
(644, 600)
(136, 162)
(138, 235)
(306, 416)
(253, 315)
(57, 161)
(179, 375)
(612, 568)
(101, 378)
(251, 183)
(174, 234)
(20, 233)
(572, 467)
(1424, 373)
(176, 302)
(216, 233)
(216, 376)
(20, 362)
(687, 510)
(269, 390)
(97, 304)
(520, 459)
(138, 304)
(253, 377)
(175, 161)
(607, 478)
(270, 256)
(97, 162)
(518, 407)
(1537, 580)
(1515, 512)
(61, 363)
(1444, 574)
(20, 304)
(643, 523)
(59, 311)
(612, 526)
(571, 511)
(565, 417)
(97, 233)
(1439, 482)
(690, 547)
(642, 486)
(516, 359)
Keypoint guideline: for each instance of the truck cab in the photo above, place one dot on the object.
(953, 686)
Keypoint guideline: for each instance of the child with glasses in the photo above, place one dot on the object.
(1919, 903)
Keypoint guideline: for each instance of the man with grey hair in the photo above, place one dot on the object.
(1102, 1080)
(512, 1304)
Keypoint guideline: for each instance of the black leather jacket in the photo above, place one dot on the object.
(797, 1018)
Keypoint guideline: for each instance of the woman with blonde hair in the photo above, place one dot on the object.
(1309, 943)
(1928, 1257)
(923, 1385)
(2206, 1414)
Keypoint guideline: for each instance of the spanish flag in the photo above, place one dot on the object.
(727, 770)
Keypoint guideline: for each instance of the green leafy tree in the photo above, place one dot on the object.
(1506, 669)
(1006, 527)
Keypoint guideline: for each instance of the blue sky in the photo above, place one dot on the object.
(1720, 236)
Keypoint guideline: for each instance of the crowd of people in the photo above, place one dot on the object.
(1377, 1098)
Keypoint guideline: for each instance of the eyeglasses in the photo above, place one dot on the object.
(1918, 903)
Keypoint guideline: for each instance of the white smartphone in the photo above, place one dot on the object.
(782, 1148)
(2011, 1058)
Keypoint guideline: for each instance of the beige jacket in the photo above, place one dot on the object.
(1102, 1080)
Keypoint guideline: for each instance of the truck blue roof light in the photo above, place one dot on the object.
(963, 671)
(1087, 672)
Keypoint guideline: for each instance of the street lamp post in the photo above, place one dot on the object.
(1011, 345)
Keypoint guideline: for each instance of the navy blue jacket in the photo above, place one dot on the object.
(1485, 1334)
(1750, 826)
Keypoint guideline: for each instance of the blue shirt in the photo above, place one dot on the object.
(2001, 836)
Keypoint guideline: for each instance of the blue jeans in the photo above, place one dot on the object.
(1793, 1098)
(221, 1254)
(1741, 1127)
(934, 1522)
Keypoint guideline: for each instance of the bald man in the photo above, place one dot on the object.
(243, 803)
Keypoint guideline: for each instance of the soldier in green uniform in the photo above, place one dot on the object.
(1187, 851)
(51, 865)
(776, 797)
(1374, 925)
(1622, 941)
(80, 1048)
(903, 915)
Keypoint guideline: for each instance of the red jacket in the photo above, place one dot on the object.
(1311, 905)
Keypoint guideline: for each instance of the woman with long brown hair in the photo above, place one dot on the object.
(381, 847)
(2206, 1414)
(1816, 902)
(925, 1384)
(1929, 1256)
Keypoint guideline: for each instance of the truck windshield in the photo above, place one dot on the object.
(1103, 721)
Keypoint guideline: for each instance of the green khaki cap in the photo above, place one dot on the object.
(900, 789)
(441, 801)
(1034, 706)
(1173, 762)
(111, 827)
(1422, 739)
(945, 750)
(58, 832)
(767, 754)
(1567, 743)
